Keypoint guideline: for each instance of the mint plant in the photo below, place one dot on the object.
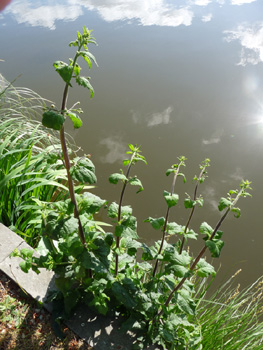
(153, 287)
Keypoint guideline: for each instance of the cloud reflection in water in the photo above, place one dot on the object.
(251, 40)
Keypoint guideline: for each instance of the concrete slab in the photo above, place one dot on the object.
(102, 333)
(8, 242)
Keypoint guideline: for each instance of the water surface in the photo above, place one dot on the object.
(177, 78)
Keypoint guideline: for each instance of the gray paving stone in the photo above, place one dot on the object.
(8, 242)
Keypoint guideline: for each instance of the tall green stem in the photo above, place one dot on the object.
(67, 161)
(201, 253)
(166, 221)
(119, 213)
(193, 209)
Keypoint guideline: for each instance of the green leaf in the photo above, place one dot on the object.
(149, 253)
(88, 57)
(53, 120)
(169, 171)
(83, 171)
(237, 212)
(128, 228)
(124, 294)
(82, 81)
(136, 182)
(113, 210)
(204, 269)
(64, 70)
(215, 247)
(206, 229)
(191, 234)
(89, 203)
(90, 261)
(224, 203)
(171, 199)
(67, 226)
(77, 123)
(25, 266)
(186, 305)
(114, 178)
(26, 253)
(189, 203)
(157, 224)
(77, 69)
(173, 228)
(178, 263)
(132, 246)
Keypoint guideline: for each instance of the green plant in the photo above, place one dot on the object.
(231, 319)
(32, 171)
(9, 311)
(156, 293)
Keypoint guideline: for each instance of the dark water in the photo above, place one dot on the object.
(177, 78)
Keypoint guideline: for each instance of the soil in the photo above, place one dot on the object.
(26, 325)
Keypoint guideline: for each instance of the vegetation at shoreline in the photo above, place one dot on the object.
(98, 263)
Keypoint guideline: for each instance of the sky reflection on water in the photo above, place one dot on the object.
(177, 77)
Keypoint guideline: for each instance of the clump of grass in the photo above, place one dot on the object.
(231, 319)
(31, 167)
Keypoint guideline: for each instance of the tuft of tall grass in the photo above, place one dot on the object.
(31, 170)
(232, 319)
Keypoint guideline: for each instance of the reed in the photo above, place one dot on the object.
(31, 167)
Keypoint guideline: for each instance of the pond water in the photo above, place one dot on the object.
(176, 77)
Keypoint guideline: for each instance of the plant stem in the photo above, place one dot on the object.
(178, 286)
(193, 209)
(119, 213)
(166, 221)
(67, 161)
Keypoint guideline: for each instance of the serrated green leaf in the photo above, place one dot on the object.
(64, 70)
(215, 247)
(204, 269)
(157, 224)
(89, 203)
(83, 81)
(206, 229)
(126, 162)
(53, 120)
(171, 199)
(128, 228)
(186, 305)
(224, 203)
(88, 57)
(113, 210)
(83, 171)
(173, 228)
(114, 178)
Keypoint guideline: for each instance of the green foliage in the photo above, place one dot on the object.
(231, 319)
(32, 172)
(151, 286)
